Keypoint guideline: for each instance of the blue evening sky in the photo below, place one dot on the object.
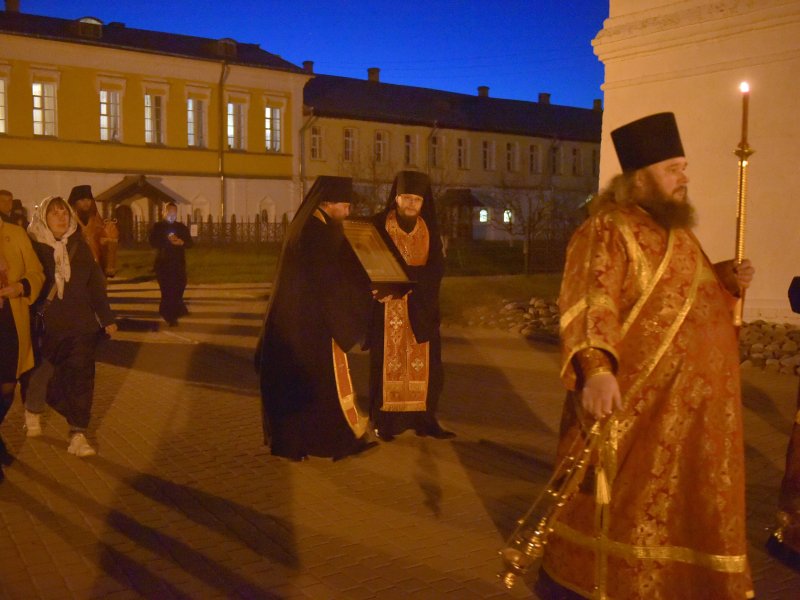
(516, 47)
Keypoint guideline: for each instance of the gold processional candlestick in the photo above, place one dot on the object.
(743, 152)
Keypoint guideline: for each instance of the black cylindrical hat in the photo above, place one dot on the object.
(647, 141)
(79, 192)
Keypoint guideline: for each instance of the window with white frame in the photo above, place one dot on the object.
(154, 118)
(316, 142)
(109, 115)
(349, 148)
(196, 122)
(273, 130)
(3, 126)
(462, 153)
(534, 160)
(381, 146)
(512, 157)
(44, 108)
(508, 216)
(434, 151)
(577, 162)
(409, 150)
(488, 155)
(237, 125)
(555, 160)
(483, 215)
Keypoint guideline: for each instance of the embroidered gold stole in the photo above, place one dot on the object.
(405, 362)
(346, 393)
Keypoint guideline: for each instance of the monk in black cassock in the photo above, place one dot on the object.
(319, 308)
(406, 374)
(171, 238)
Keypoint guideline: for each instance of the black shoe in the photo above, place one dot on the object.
(435, 431)
(383, 436)
(783, 553)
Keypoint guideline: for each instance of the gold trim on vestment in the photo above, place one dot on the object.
(647, 289)
(573, 311)
(650, 365)
(641, 267)
(406, 363)
(736, 563)
(344, 389)
(608, 450)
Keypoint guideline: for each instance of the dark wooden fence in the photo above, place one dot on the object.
(220, 232)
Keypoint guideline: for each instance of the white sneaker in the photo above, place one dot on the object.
(79, 446)
(33, 427)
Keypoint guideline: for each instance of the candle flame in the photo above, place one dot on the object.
(744, 87)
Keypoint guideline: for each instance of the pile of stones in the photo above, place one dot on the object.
(763, 345)
(770, 346)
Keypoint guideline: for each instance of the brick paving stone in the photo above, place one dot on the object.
(184, 501)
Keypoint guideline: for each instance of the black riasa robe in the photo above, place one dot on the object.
(320, 294)
(170, 267)
(423, 312)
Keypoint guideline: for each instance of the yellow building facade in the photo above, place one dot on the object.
(210, 122)
(506, 174)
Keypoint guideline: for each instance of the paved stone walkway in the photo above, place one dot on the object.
(183, 500)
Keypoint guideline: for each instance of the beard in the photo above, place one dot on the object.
(666, 211)
(84, 215)
(407, 224)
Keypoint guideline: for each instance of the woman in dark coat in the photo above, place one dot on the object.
(21, 278)
(73, 319)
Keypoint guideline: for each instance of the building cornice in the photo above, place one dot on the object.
(687, 23)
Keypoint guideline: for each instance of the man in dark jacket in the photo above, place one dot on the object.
(319, 308)
(405, 348)
(171, 238)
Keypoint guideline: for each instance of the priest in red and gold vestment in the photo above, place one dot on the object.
(649, 349)
(405, 347)
(101, 235)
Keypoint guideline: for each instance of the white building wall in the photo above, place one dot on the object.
(689, 57)
(245, 196)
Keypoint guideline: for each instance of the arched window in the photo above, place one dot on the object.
(483, 215)
(508, 216)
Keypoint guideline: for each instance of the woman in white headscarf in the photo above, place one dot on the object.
(21, 279)
(77, 310)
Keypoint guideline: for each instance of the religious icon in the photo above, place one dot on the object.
(382, 267)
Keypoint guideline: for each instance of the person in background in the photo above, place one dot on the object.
(19, 215)
(171, 238)
(76, 312)
(100, 234)
(6, 206)
(784, 542)
(406, 374)
(319, 309)
(21, 278)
